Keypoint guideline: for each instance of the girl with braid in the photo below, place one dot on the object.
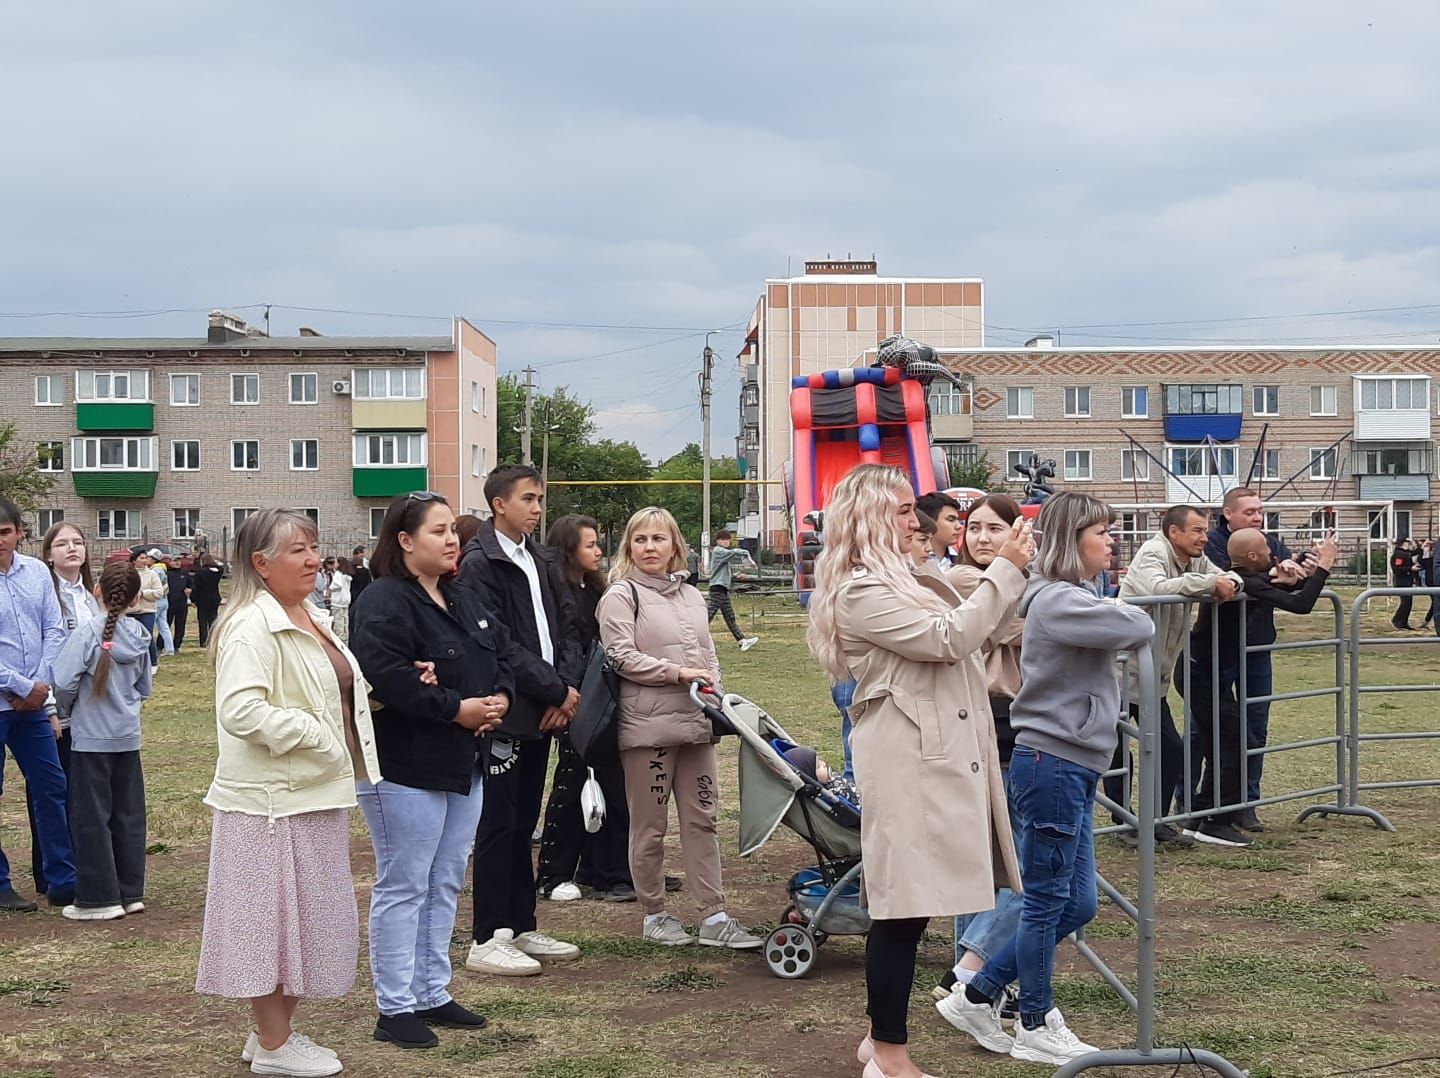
(102, 677)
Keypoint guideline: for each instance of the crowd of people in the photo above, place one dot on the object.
(972, 657)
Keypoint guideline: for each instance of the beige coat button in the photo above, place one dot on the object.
(975, 767)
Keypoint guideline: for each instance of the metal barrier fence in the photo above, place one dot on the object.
(1149, 724)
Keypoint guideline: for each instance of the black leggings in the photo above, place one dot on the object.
(889, 975)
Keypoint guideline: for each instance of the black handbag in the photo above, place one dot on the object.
(594, 732)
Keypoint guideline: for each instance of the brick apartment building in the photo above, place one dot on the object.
(156, 439)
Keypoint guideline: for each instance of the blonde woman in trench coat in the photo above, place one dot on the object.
(935, 830)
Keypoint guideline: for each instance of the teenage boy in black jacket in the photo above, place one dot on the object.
(524, 584)
(1251, 556)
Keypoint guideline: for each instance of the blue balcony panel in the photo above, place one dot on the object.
(1196, 428)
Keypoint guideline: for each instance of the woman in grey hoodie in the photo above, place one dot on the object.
(1064, 720)
(102, 677)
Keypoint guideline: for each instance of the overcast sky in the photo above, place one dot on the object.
(649, 164)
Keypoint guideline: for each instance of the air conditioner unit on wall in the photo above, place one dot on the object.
(341, 387)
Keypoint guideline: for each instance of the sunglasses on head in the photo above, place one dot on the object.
(425, 496)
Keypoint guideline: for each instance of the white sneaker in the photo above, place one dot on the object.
(1051, 1043)
(667, 931)
(729, 933)
(980, 1020)
(539, 945)
(135, 907)
(500, 956)
(93, 913)
(749, 642)
(565, 892)
(252, 1043)
(298, 1057)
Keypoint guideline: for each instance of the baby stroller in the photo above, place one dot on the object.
(824, 899)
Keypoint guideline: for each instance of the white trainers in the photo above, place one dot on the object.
(298, 1057)
(135, 907)
(980, 1020)
(93, 913)
(252, 1043)
(667, 931)
(539, 945)
(565, 892)
(749, 642)
(500, 956)
(729, 933)
(1051, 1043)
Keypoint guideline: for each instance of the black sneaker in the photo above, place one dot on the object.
(61, 897)
(1218, 833)
(1167, 835)
(621, 892)
(451, 1016)
(405, 1030)
(1249, 821)
(1010, 1005)
(673, 883)
(10, 902)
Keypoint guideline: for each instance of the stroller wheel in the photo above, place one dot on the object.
(790, 951)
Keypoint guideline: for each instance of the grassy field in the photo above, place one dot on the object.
(1315, 952)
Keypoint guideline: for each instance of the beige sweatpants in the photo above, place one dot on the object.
(652, 777)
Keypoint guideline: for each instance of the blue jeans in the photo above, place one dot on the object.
(986, 932)
(1259, 681)
(422, 841)
(162, 622)
(842, 694)
(28, 736)
(1055, 800)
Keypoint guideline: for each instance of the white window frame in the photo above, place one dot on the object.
(475, 461)
(360, 449)
(312, 512)
(235, 377)
(1270, 521)
(1267, 391)
(474, 397)
(303, 466)
(245, 441)
(189, 527)
(1073, 409)
(235, 521)
(1334, 407)
(1128, 411)
(146, 449)
(182, 378)
(1265, 470)
(1208, 460)
(1139, 466)
(946, 399)
(50, 382)
(362, 383)
(1371, 387)
(1074, 475)
(377, 517)
(45, 519)
(1016, 411)
(105, 524)
(1021, 456)
(91, 395)
(315, 386)
(185, 441)
(55, 462)
(1319, 455)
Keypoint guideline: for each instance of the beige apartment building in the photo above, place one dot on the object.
(156, 439)
(823, 320)
(1315, 427)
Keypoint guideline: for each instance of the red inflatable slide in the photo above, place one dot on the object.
(860, 415)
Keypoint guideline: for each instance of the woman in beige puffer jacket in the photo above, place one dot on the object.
(655, 629)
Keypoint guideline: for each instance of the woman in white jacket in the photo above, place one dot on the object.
(340, 599)
(294, 727)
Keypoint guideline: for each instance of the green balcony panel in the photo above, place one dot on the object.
(115, 484)
(118, 415)
(388, 482)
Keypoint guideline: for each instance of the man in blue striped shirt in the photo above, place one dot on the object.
(32, 631)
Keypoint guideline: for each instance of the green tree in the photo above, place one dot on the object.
(21, 479)
(685, 502)
(980, 474)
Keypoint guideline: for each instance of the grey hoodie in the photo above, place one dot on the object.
(724, 560)
(1069, 699)
(111, 721)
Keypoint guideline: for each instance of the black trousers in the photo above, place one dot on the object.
(720, 600)
(503, 875)
(1172, 762)
(567, 851)
(205, 614)
(177, 616)
(890, 974)
(37, 868)
(1402, 616)
(1222, 760)
(107, 820)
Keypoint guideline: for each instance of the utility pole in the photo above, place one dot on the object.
(706, 372)
(529, 384)
(545, 471)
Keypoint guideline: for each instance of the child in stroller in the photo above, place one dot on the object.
(811, 766)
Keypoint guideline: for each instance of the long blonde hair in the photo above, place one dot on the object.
(861, 533)
(264, 533)
(643, 518)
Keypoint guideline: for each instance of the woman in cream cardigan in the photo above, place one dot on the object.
(294, 729)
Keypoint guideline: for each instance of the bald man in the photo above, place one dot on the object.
(1251, 556)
